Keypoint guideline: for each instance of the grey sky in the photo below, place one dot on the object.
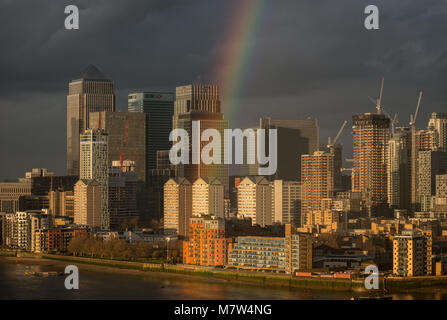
(307, 58)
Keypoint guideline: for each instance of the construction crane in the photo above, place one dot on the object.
(378, 101)
(123, 151)
(331, 144)
(414, 117)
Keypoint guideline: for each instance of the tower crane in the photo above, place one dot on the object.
(378, 101)
(414, 117)
(331, 144)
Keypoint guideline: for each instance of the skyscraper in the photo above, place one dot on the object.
(399, 169)
(92, 91)
(200, 103)
(126, 135)
(295, 138)
(430, 164)
(93, 165)
(369, 174)
(159, 108)
(317, 172)
(438, 122)
(122, 190)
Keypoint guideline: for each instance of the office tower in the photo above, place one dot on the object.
(399, 169)
(123, 194)
(91, 92)
(158, 108)
(208, 198)
(317, 171)
(441, 186)
(10, 193)
(87, 203)
(295, 137)
(163, 161)
(206, 244)
(126, 137)
(288, 254)
(200, 103)
(254, 200)
(369, 174)
(412, 254)
(286, 202)
(61, 203)
(438, 123)
(93, 165)
(430, 164)
(177, 205)
(421, 140)
(38, 172)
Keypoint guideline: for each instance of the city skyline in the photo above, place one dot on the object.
(323, 77)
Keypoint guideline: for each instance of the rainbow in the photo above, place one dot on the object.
(233, 62)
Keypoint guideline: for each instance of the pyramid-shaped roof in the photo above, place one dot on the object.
(91, 72)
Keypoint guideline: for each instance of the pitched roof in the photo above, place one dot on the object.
(91, 72)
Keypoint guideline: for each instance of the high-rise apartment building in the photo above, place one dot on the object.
(93, 165)
(91, 92)
(200, 104)
(122, 194)
(399, 169)
(208, 198)
(369, 174)
(430, 164)
(126, 136)
(177, 205)
(412, 253)
(286, 202)
(159, 109)
(61, 203)
(441, 186)
(438, 123)
(88, 203)
(317, 180)
(295, 137)
(254, 200)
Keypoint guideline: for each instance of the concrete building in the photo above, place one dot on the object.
(91, 92)
(438, 123)
(93, 165)
(282, 254)
(159, 109)
(200, 104)
(10, 193)
(126, 136)
(369, 174)
(177, 205)
(254, 200)
(61, 203)
(88, 203)
(412, 254)
(430, 164)
(122, 194)
(286, 202)
(441, 186)
(208, 198)
(206, 244)
(295, 138)
(399, 169)
(317, 181)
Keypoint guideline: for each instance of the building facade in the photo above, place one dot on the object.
(91, 92)
(177, 205)
(88, 203)
(286, 202)
(412, 254)
(208, 198)
(254, 200)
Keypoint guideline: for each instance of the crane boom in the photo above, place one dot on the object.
(417, 107)
(339, 132)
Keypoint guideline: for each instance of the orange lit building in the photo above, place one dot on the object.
(56, 239)
(207, 245)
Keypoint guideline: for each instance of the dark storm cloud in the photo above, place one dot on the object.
(307, 58)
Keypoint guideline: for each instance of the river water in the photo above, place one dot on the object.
(95, 284)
